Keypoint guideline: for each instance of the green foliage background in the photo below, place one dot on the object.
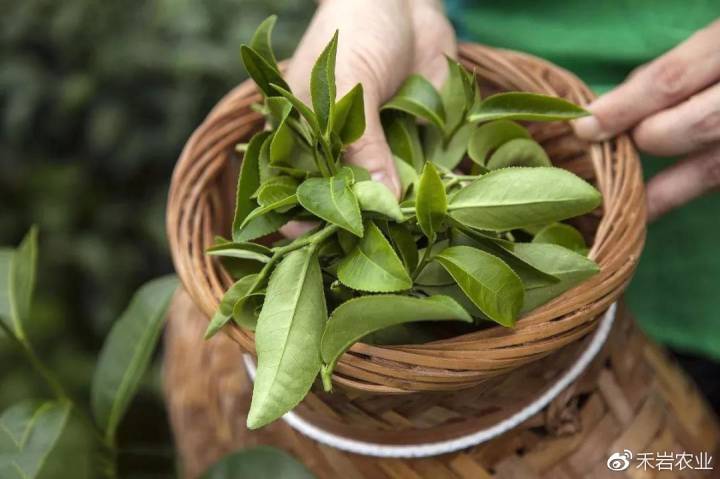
(96, 100)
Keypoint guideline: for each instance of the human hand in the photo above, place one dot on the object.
(380, 43)
(672, 107)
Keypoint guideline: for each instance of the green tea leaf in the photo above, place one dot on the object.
(419, 98)
(376, 197)
(17, 283)
(332, 200)
(261, 41)
(287, 338)
(361, 316)
(349, 122)
(434, 274)
(447, 155)
(224, 313)
(244, 250)
(489, 283)
(515, 197)
(262, 73)
(322, 85)
(29, 431)
(248, 181)
(404, 243)
(359, 173)
(431, 202)
(262, 211)
(278, 108)
(373, 265)
(301, 107)
(562, 235)
(403, 137)
(276, 189)
(127, 352)
(260, 462)
(519, 152)
(490, 136)
(407, 174)
(571, 268)
(453, 94)
(525, 106)
(287, 149)
(264, 224)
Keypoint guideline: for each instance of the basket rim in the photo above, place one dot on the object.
(194, 210)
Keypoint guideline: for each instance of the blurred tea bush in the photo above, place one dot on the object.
(96, 101)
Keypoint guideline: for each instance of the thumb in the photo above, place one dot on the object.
(372, 152)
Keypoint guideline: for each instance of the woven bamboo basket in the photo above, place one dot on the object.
(407, 395)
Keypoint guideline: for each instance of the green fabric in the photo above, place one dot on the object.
(676, 291)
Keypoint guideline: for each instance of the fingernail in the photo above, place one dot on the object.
(385, 179)
(589, 128)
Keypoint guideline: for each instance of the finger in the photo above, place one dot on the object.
(684, 181)
(691, 126)
(372, 152)
(686, 69)
(293, 229)
(434, 38)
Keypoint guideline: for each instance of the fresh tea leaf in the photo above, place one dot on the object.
(419, 98)
(127, 352)
(261, 41)
(562, 235)
(301, 107)
(288, 150)
(287, 338)
(264, 224)
(431, 202)
(373, 265)
(276, 189)
(515, 197)
(248, 181)
(262, 73)
(518, 152)
(403, 137)
(376, 197)
(488, 281)
(18, 269)
(332, 200)
(407, 174)
(571, 268)
(454, 95)
(224, 313)
(29, 431)
(450, 154)
(358, 317)
(404, 243)
(260, 462)
(278, 108)
(525, 106)
(322, 85)
(244, 250)
(490, 136)
(268, 210)
(349, 122)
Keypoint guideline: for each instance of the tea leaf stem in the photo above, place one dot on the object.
(424, 260)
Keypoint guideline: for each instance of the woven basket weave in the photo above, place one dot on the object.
(631, 397)
(200, 207)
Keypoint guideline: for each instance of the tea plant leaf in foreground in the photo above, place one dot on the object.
(404, 243)
(515, 197)
(322, 84)
(245, 250)
(301, 107)
(525, 106)
(447, 154)
(407, 175)
(492, 135)
(17, 283)
(287, 338)
(489, 283)
(361, 316)
(518, 152)
(349, 122)
(431, 202)
(261, 462)
(563, 235)
(568, 266)
(419, 98)
(263, 74)
(332, 200)
(261, 41)
(373, 265)
(455, 95)
(269, 210)
(127, 352)
(29, 431)
(276, 189)
(403, 137)
(224, 313)
(248, 181)
(376, 197)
